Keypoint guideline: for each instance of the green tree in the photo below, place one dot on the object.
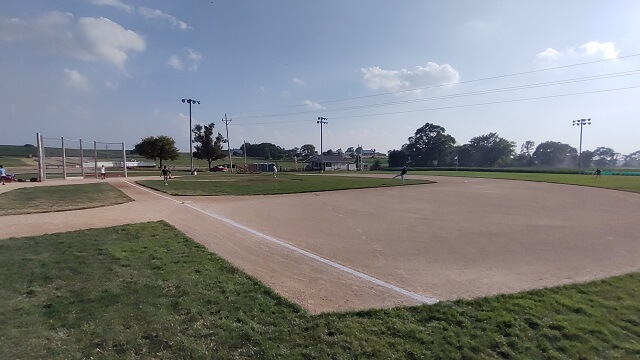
(553, 154)
(207, 147)
(376, 165)
(586, 159)
(308, 150)
(488, 150)
(632, 159)
(160, 147)
(604, 157)
(429, 146)
(397, 158)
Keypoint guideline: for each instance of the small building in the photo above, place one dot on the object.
(331, 163)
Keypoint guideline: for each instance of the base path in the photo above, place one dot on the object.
(356, 249)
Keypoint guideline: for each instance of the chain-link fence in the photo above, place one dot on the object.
(61, 158)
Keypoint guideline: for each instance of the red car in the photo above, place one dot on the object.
(218, 168)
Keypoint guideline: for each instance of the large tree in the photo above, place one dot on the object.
(605, 157)
(308, 150)
(160, 147)
(397, 158)
(486, 150)
(632, 159)
(429, 146)
(207, 147)
(553, 153)
(265, 151)
(524, 158)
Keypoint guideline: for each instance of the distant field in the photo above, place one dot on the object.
(264, 184)
(59, 198)
(9, 162)
(626, 183)
(148, 291)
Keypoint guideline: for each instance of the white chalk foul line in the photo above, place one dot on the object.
(412, 295)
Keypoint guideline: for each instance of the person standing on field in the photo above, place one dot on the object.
(166, 173)
(275, 171)
(103, 172)
(3, 174)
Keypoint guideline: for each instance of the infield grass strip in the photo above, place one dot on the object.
(614, 182)
(148, 291)
(265, 184)
(41, 199)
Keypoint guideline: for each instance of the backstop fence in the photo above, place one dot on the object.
(61, 158)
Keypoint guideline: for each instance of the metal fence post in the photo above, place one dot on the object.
(124, 156)
(95, 154)
(64, 161)
(81, 159)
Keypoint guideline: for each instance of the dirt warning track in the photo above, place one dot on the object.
(356, 249)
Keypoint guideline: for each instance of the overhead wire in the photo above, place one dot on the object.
(453, 106)
(238, 114)
(458, 95)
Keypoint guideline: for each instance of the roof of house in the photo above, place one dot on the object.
(329, 158)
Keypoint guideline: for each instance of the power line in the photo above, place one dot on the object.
(443, 85)
(473, 93)
(454, 106)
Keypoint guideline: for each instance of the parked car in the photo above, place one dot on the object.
(218, 168)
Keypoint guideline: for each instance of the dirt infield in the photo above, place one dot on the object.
(355, 249)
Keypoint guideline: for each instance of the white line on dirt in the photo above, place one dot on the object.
(412, 295)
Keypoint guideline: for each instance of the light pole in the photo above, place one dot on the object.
(190, 101)
(581, 123)
(321, 121)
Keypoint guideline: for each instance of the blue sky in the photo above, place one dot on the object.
(115, 70)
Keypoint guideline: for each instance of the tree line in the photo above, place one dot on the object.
(210, 148)
(431, 146)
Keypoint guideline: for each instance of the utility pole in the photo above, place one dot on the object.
(321, 121)
(245, 152)
(581, 122)
(226, 125)
(190, 101)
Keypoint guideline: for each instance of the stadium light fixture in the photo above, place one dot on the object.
(581, 123)
(190, 101)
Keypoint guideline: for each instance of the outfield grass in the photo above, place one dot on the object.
(9, 162)
(626, 183)
(41, 199)
(265, 184)
(146, 290)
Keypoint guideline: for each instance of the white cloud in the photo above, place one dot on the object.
(76, 80)
(90, 39)
(313, 105)
(157, 14)
(111, 84)
(549, 54)
(605, 51)
(175, 62)
(300, 82)
(48, 25)
(103, 39)
(608, 49)
(422, 76)
(116, 3)
(193, 57)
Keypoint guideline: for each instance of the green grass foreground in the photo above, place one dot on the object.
(614, 182)
(265, 184)
(148, 291)
(41, 199)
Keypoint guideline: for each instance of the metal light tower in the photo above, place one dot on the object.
(190, 101)
(321, 121)
(581, 123)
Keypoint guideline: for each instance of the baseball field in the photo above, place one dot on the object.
(455, 267)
